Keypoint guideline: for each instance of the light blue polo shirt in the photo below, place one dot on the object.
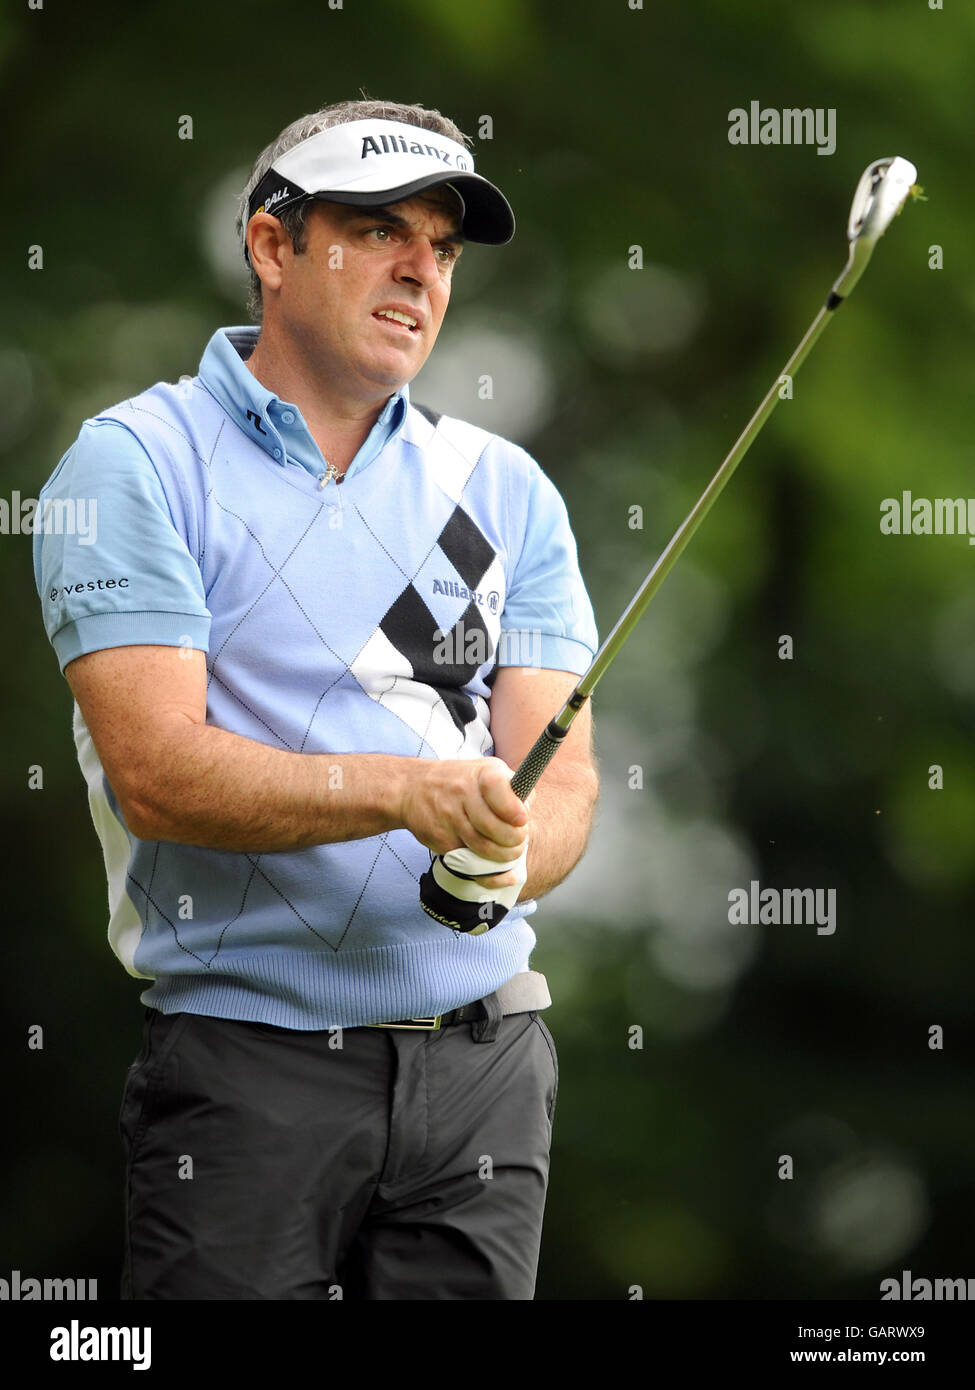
(366, 616)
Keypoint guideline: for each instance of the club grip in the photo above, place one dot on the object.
(537, 760)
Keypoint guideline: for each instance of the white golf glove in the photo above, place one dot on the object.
(450, 892)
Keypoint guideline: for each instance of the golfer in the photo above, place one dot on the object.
(314, 629)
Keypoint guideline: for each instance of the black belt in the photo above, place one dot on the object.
(467, 1013)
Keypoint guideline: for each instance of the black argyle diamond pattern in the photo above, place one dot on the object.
(410, 627)
(413, 630)
(465, 547)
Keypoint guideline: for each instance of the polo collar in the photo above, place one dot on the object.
(278, 426)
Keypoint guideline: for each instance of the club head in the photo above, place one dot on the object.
(881, 193)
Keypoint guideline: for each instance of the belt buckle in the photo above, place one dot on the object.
(422, 1024)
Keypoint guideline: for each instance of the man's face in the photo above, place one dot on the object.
(336, 300)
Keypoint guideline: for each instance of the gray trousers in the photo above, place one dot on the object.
(265, 1163)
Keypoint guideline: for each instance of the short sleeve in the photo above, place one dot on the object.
(547, 619)
(111, 560)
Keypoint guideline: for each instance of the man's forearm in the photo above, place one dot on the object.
(224, 791)
(561, 819)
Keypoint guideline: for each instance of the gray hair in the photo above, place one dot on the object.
(293, 218)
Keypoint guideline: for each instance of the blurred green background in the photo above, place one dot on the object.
(610, 130)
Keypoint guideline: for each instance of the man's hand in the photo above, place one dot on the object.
(561, 806)
(451, 805)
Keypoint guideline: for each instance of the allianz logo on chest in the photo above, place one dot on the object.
(491, 601)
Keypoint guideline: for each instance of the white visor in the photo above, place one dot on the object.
(370, 163)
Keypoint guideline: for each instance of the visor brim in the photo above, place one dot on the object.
(487, 219)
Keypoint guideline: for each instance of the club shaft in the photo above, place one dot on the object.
(547, 744)
(681, 537)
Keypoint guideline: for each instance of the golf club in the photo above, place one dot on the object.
(880, 195)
